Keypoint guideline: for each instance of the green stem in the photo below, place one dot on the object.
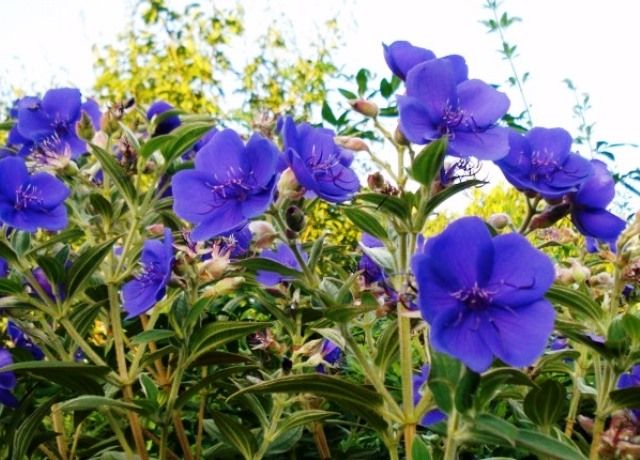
(451, 445)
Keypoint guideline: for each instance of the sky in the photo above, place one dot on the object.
(591, 42)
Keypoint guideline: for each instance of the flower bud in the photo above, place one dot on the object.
(602, 279)
(84, 127)
(294, 217)
(579, 271)
(550, 216)
(564, 276)
(109, 122)
(288, 186)
(352, 143)
(263, 233)
(224, 286)
(364, 107)
(100, 139)
(213, 269)
(156, 229)
(399, 137)
(499, 220)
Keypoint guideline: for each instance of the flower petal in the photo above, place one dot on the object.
(415, 121)
(262, 156)
(599, 189)
(435, 287)
(491, 144)
(223, 219)
(598, 223)
(223, 157)
(193, 197)
(402, 56)
(552, 142)
(33, 122)
(13, 175)
(482, 105)
(434, 84)
(62, 104)
(52, 191)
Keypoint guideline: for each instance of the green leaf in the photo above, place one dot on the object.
(24, 434)
(302, 418)
(388, 204)
(495, 426)
(81, 378)
(541, 444)
(347, 94)
(192, 391)
(84, 266)
(114, 171)
(327, 114)
(90, 402)
(356, 398)
(428, 162)
(259, 264)
(448, 192)
(52, 268)
(444, 376)
(544, 404)
(388, 347)
(157, 143)
(631, 326)
(494, 380)
(627, 398)
(153, 335)
(185, 138)
(366, 222)
(465, 390)
(362, 78)
(7, 253)
(66, 236)
(420, 449)
(236, 434)
(215, 335)
(576, 301)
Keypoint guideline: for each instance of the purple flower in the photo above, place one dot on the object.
(29, 202)
(7, 380)
(372, 272)
(631, 379)
(588, 210)
(419, 381)
(284, 255)
(541, 161)
(21, 340)
(168, 124)
(42, 280)
(320, 166)
(4, 268)
(438, 105)
(142, 293)
(481, 299)
(402, 56)
(230, 184)
(237, 242)
(331, 354)
(47, 127)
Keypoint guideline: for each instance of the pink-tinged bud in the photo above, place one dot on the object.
(550, 216)
(399, 137)
(352, 143)
(375, 181)
(579, 271)
(263, 233)
(109, 122)
(213, 269)
(288, 186)
(499, 220)
(364, 107)
(564, 276)
(602, 279)
(156, 229)
(224, 286)
(100, 139)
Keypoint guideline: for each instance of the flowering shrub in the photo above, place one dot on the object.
(164, 299)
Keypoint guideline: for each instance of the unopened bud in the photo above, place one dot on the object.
(375, 181)
(400, 138)
(579, 271)
(602, 279)
(564, 276)
(224, 286)
(109, 122)
(364, 107)
(156, 229)
(352, 143)
(84, 127)
(499, 220)
(294, 217)
(550, 216)
(263, 233)
(100, 139)
(213, 269)
(288, 186)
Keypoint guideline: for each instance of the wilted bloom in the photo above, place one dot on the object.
(419, 381)
(481, 299)
(330, 353)
(148, 287)
(29, 202)
(7, 380)
(588, 207)
(230, 184)
(541, 161)
(169, 123)
(285, 256)
(21, 340)
(320, 166)
(47, 127)
(401, 56)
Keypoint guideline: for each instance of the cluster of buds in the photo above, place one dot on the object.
(576, 273)
(620, 440)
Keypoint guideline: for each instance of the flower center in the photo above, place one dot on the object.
(474, 297)
(150, 274)
(451, 119)
(26, 196)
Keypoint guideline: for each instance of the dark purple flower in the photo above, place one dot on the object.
(230, 184)
(419, 381)
(559, 343)
(47, 127)
(7, 380)
(21, 340)
(29, 202)
(320, 166)
(438, 105)
(481, 299)
(372, 272)
(237, 242)
(631, 379)
(331, 354)
(588, 207)
(284, 255)
(4, 268)
(142, 293)
(402, 56)
(42, 280)
(169, 123)
(541, 161)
